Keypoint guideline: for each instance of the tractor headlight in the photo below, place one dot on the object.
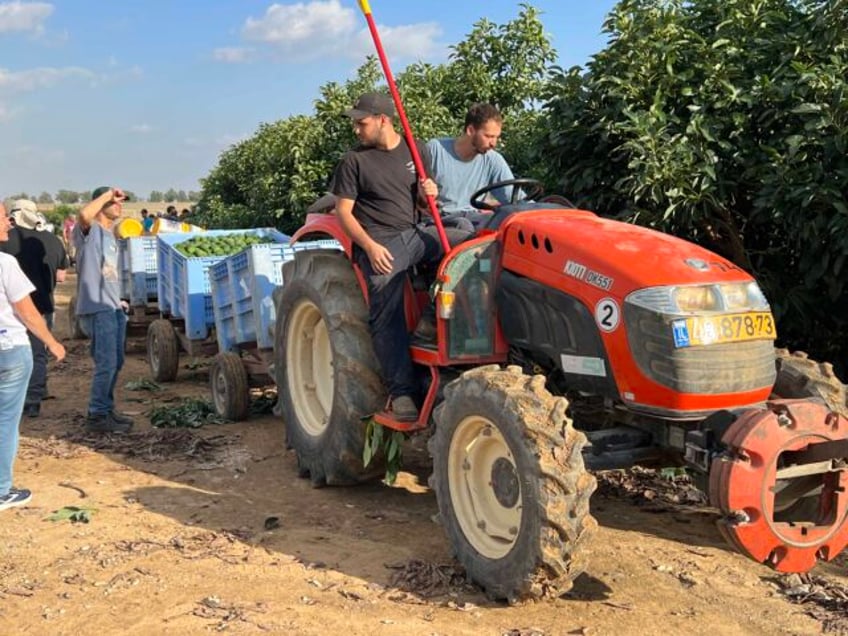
(696, 299)
(687, 299)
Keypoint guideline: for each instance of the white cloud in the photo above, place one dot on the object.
(302, 25)
(32, 79)
(322, 28)
(415, 41)
(141, 129)
(20, 16)
(233, 54)
(6, 113)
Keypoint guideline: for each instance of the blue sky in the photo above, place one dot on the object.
(145, 94)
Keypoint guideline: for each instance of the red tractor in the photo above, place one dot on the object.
(552, 319)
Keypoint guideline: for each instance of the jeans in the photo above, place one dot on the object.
(15, 369)
(108, 332)
(387, 320)
(37, 389)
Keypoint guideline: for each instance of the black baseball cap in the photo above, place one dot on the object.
(372, 104)
(99, 191)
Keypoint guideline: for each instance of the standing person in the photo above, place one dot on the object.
(464, 164)
(378, 194)
(146, 221)
(67, 233)
(17, 314)
(99, 309)
(43, 260)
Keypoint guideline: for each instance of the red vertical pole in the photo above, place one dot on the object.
(407, 131)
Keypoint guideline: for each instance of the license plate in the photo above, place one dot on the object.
(707, 330)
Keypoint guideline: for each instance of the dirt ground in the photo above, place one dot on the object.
(210, 529)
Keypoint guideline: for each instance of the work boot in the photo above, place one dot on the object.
(404, 409)
(425, 330)
(105, 423)
(121, 419)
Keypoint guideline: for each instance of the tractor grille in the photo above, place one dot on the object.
(715, 369)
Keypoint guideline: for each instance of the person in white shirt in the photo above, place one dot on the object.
(17, 314)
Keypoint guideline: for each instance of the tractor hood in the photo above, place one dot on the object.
(614, 256)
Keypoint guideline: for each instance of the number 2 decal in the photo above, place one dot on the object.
(607, 315)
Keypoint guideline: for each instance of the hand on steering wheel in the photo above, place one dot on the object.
(534, 189)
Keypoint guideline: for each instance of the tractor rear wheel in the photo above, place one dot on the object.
(800, 377)
(326, 370)
(509, 478)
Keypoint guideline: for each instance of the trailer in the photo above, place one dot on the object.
(186, 319)
(242, 287)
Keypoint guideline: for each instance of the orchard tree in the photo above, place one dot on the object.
(272, 177)
(724, 121)
(45, 198)
(155, 196)
(68, 197)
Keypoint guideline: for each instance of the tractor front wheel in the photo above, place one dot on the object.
(509, 478)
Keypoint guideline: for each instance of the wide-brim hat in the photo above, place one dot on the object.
(26, 215)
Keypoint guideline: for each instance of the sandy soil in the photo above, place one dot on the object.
(211, 529)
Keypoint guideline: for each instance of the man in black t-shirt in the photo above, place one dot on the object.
(43, 259)
(377, 202)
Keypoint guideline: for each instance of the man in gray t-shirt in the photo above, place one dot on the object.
(461, 166)
(99, 309)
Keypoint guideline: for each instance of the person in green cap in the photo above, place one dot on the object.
(100, 311)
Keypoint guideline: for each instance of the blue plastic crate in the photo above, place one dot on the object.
(183, 284)
(242, 285)
(139, 270)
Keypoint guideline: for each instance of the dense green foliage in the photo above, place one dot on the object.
(726, 122)
(272, 177)
(721, 121)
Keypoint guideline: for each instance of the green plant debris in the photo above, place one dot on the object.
(381, 440)
(143, 384)
(189, 413)
(74, 514)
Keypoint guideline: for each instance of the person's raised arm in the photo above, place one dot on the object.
(93, 207)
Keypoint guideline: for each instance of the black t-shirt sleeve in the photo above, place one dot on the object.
(345, 182)
(426, 158)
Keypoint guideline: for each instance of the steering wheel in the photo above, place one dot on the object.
(534, 189)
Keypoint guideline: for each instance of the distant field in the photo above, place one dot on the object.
(134, 208)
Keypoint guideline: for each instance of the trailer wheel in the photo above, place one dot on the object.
(74, 328)
(230, 389)
(509, 478)
(326, 370)
(163, 350)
